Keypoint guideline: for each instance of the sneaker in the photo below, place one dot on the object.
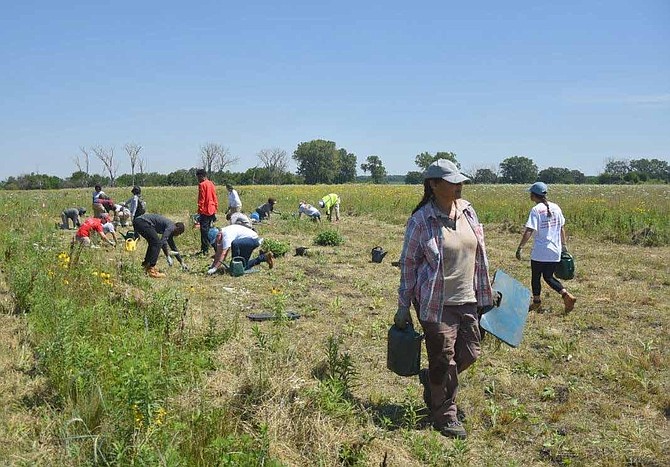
(452, 430)
(569, 302)
(154, 273)
(270, 258)
(425, 382)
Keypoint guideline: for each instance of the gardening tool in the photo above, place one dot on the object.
(130, 235)
(267, 315)
(403, 355)
(237, 266)
(130, 244)
(507, 319)
(378, 254)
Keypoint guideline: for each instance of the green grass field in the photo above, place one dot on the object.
(103, 366)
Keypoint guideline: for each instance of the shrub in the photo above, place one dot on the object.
(329, 238)
(276, 247)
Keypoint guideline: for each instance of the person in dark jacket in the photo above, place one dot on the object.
(150, 226)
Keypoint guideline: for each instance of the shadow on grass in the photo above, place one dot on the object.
(393, 417)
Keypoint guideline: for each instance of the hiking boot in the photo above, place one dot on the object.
(452, 430)
(535, 306)
(154, 273)
(270, 258)
(424, 379)
(569, 301)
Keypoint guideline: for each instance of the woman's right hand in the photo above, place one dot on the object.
(402, 317)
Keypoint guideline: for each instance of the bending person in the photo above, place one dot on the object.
(242, 241)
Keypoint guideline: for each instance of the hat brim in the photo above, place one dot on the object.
(456, 178)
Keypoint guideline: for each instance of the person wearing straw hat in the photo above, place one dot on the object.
(546, 221)
(444, 274)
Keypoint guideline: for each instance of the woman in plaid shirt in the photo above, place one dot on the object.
(444, 274)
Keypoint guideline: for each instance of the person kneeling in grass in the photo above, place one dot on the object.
(242, 241)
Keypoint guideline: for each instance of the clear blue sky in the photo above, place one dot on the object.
(568, 84)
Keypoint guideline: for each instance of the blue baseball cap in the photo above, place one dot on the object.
(538, 188)
(211, 235)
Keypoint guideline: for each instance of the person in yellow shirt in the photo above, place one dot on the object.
(331, 203)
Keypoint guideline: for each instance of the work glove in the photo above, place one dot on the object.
(169, 260)
(402, 317)
(518, 253)
(184, 267)
(211, 271)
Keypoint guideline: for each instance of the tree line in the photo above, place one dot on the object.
(320, 162)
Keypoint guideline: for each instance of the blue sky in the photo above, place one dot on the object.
(567, 84)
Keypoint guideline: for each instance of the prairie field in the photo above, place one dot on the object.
(101, 365)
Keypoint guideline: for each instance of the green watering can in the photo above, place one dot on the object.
(237, 266)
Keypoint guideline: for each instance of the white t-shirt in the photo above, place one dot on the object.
(309, 210)
(234, 232)
(108, 227)
(234, 199)
(241, 219)
(547, 244)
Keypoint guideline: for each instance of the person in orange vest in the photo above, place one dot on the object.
(208, 204)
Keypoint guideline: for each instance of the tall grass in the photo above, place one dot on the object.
(128, 359)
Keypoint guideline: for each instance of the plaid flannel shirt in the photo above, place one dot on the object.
(421, 264)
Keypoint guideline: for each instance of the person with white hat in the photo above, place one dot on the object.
(444, 274)
(546, 221)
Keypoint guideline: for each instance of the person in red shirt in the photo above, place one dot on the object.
(83, 235)
(208, 204)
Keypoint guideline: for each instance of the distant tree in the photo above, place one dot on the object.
(556, 175)
(376, 168)
(318, 161)
(275, 161)
(484, 175)
(347, 163)
(82, 162)
(181, 177)
(141, 168)
(578, 177)
(214, 157)
(518, 169)
(651, 169)
(133, 151)
(413, 178)
(615, 171)
(424, 159)
(106, 156)
(77, 179)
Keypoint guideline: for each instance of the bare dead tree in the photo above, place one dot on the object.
(215, 157)
(133, 151)
(275, 161)
(106, 156)
(141, 168)
(82, 162)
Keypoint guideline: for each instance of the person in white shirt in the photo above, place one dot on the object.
(309, 210)
(234, 202)
(241, 219)
(242, 241)
(546, 221)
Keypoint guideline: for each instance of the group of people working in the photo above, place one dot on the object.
(444, 268)
(445, 276)
(239, 237)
